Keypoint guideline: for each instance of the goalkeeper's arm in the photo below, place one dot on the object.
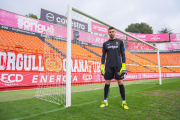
(103, 60)
(122, 51)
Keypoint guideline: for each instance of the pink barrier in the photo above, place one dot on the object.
(143, 75)
(15, 79)
(175, 37)
(150, 37)
(140, 76)
(168, 46)
(25, 23)
(90, 38)
(170, 75)
(104, 30)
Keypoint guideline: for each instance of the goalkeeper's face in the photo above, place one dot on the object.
(111, 33)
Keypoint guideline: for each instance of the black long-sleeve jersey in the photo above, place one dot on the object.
(115, 50)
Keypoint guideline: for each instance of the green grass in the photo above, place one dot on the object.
(146, 101)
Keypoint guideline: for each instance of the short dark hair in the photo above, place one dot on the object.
(110, 28)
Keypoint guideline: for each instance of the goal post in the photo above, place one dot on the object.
(159, 67)
(68, 65)
(69, 28)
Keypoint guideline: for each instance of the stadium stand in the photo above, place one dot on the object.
(75, 50)
(95, 49)
(166, 59)
(28, 44)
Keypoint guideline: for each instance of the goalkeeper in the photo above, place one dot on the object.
(114, 67)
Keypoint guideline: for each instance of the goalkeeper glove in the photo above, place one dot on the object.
(102, 69)
(123, 68)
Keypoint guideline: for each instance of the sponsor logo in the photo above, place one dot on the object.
(119, 35)
(117, 43)
(50, 16)
(5, 27)
(62, 20)
(53, 64)
(141, 36)
(131, 76)
(156, 75)
(172, 74)
(90, 38)
(113, 47)
(95, 27)
(148, 75)
(34, 26)
(155, 38)
(11, 78)
(87, 77)
(122, 77)
(19, 62)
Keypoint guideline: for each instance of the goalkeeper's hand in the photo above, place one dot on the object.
(123, 68)
(102, 69)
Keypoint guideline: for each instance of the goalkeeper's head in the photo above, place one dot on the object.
(111, 33)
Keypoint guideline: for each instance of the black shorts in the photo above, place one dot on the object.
(112, 73)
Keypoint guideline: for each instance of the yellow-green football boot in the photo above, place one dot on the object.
(104, 104)
(124, 105)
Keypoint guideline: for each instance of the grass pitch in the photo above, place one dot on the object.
(145, 101)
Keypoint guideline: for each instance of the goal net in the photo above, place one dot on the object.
(74, 64)
(52, 82)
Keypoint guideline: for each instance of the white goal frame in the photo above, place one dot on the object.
(68, 65)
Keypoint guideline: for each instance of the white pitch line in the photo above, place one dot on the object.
(33, 115)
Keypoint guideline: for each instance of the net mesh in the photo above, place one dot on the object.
(52, 81)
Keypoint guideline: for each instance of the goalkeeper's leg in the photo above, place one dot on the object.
(119, 78)
(106, 92)
(122, 93)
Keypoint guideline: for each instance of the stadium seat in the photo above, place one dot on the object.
(77, 52)
(26, 44)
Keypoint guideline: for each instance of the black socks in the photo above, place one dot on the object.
(106, 91)
(122, 92)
